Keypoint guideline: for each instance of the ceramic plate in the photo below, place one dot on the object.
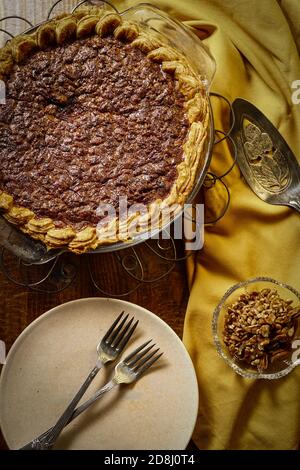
(53, 356)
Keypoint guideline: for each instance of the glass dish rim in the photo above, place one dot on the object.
(209, 141)
(216, 336)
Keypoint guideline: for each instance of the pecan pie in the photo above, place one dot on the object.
(97, 109)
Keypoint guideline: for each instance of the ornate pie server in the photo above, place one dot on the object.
(28, 250)
(265, 160)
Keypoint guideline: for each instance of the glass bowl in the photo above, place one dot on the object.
(278, 368)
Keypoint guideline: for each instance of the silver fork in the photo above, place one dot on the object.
(109, 348)
(127, 371)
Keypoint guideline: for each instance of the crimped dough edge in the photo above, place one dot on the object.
(85, 22)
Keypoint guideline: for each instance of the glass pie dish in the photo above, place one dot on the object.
(280, 367)
(178, 36)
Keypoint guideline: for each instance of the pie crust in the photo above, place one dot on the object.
(88, 22)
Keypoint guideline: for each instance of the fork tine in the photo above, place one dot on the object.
(116, 331)
(112, 326)
(148, 364)
(131, 355)
(139, 356)
(147, 358)
(121, 333)
(122, 343)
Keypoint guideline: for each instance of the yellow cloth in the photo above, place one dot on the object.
(257, 59)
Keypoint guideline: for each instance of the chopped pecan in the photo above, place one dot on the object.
(259, 328)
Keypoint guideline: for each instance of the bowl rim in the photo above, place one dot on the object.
(219, 346)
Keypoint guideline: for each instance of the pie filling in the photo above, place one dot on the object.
(88, 122)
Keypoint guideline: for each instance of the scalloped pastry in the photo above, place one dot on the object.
(97, 108)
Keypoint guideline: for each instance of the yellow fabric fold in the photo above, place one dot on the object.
(255, 47)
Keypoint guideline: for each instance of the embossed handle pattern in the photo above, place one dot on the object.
(295, 205)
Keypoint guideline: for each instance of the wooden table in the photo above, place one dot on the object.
(167, 298)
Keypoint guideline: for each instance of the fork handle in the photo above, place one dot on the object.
(106, 388)
(46, 440)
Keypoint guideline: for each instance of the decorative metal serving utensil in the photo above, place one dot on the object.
(26, 249)
(265, 160)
